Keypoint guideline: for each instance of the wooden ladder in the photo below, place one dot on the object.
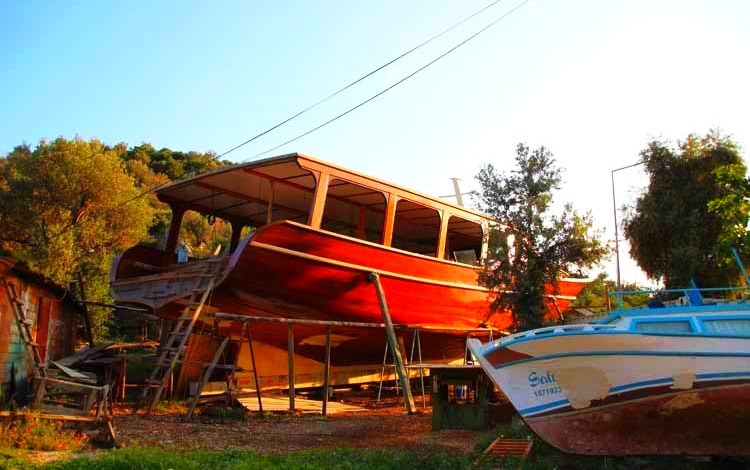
(173, 349)
(24, 324)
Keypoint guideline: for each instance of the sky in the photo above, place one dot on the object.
(593, 81)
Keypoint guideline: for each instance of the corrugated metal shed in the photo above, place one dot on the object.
(55, 319)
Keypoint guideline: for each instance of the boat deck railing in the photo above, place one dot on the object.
(557, 329)
(685, 296)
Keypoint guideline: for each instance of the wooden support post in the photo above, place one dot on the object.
(393, 343)
(326, 370)
(236, 232)
(173, 234)
(290, 342)
(417, 342)
(255, 369)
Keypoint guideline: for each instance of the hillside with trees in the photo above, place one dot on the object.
(68, 206)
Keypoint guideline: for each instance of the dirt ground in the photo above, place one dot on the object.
(385, 426)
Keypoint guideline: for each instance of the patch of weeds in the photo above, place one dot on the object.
(32, 433)
(171, 407)
(224, 413)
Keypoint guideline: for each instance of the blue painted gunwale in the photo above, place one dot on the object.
(650, 315)
(699, 334)
(624, 353)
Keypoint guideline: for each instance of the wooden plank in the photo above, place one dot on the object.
(53, 416)
(71, 373)
(70, 361)
(303, 405)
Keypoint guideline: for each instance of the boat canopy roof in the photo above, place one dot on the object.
(284, 187)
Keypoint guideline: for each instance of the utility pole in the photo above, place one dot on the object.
(614, 211)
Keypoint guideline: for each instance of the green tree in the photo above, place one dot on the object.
(531, 247)
(66, 208)
(597, 296)
(153, 168)
(695, 208)
(173, 164)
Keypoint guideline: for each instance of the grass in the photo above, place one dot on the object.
(18, 437)
(546, 457)
(345, 459)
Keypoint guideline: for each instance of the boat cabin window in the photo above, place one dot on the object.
(416, 228)
(464, 241)
(665, 326)
(354, 211)
(728, 326)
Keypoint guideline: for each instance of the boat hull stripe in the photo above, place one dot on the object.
(623, 353)
(705, 378)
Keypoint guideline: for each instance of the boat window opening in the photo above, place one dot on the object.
(463, 241)
(201, 236)
(728, 326)
(416, 228)
(263, 195)
(666, 326)
(354, 211)
(283, 201)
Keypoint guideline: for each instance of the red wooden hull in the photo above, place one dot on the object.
(703, 421)
(290, 270)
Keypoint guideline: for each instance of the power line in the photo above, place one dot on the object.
(393, 85)
(341, 90)
(155, 187)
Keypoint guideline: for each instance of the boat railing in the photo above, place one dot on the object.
(557, 329)
(684, 296)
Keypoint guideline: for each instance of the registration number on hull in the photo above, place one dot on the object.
(543, 385)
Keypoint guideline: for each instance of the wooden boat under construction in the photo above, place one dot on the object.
(319, 232)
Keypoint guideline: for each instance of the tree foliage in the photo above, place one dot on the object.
(153, 168)
(597, 297)
(532, 247)
(173, 164)
(695, 208)
(66, 208)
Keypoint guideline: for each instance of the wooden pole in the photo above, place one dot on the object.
(290, 342)
(255, 369)
(393, 343)
(326, 370)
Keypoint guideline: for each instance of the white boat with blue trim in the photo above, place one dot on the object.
(662, 379)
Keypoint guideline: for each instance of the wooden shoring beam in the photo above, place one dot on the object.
(301, 321)
(416, 341)
(393, 343)
(290, 342)
(296, 321)
(246, 327)
(326, 370)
